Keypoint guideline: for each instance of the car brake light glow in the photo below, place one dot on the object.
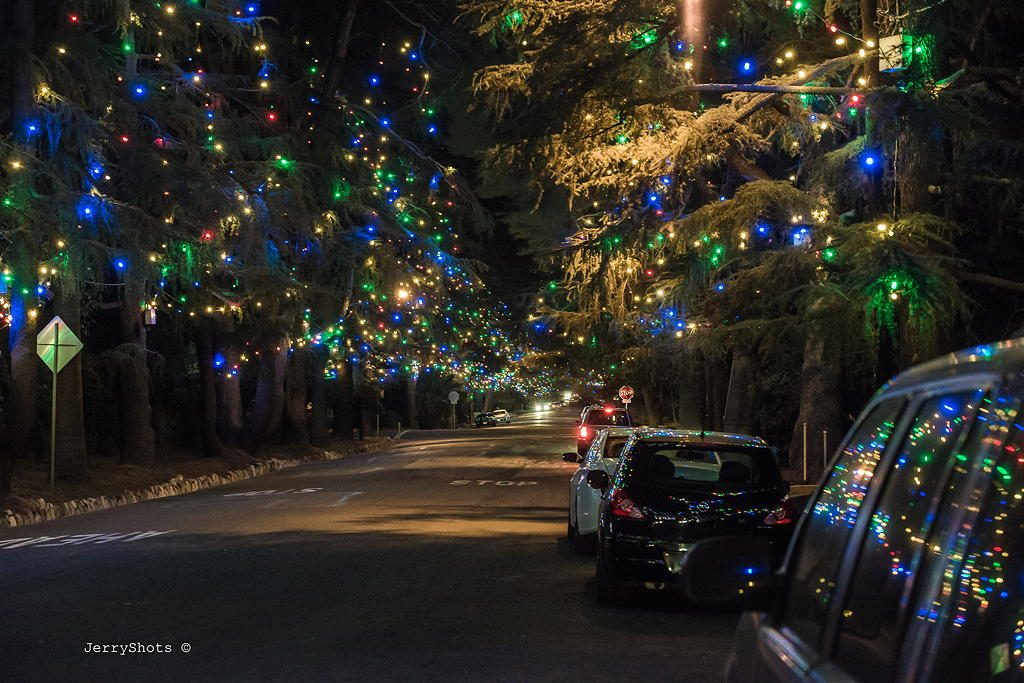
(608, 410)
(622, 505)
(584, 432)
(784, 514)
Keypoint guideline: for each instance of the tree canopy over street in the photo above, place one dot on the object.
(774, 206)
(271, 222)
(246, 224)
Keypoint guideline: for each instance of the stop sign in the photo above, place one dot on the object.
(626, 393)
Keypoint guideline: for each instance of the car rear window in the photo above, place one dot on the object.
(616, 418)
(674, 464)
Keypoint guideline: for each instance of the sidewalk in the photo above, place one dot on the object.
(113, 485)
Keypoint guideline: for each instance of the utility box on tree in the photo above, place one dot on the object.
(904, 52)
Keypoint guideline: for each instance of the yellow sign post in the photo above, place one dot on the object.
(56, 345)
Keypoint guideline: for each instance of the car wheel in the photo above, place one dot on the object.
(609, 589)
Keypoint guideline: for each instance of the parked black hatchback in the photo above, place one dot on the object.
(674, 488)
(485, 419)
(909, 563)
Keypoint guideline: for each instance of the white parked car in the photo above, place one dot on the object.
(584, 500)
(502, 416)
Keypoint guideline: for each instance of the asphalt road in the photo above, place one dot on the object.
(441, 558)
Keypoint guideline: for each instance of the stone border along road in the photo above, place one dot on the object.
(44, 511)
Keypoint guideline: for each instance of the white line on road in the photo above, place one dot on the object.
(485, 482)
(341, 501)
(78, 539)
(272, 492)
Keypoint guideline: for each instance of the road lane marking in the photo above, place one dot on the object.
(271, 492)
(495, 482)
(341, 501)
(78, 539)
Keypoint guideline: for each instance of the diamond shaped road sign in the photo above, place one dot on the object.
(57, 344)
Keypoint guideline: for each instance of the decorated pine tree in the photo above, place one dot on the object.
(270, 214)
(757, 191)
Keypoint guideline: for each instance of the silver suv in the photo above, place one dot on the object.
(907, 564)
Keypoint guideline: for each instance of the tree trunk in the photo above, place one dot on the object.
(739, 407)
(157, 366)
(20, 403)
(702, 384)
(820, 407)
(19, 45)
(344, 401)
(71, 456)
(917, 166)
(280, 354)
(229, 398)
(267, 409)
(19, 406)
(689, 411)
(319, 435)
(412, 414)
(212, 445)
(652, 406)
(296, 395)
(337, 64)
(364, 405)
(138, 440)
(714, 385)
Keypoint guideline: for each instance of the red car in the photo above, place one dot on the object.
(597, 418)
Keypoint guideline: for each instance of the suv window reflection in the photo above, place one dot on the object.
(983, 621)
(828, 528)
(894, 545)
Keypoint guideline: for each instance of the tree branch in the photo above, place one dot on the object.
(775, 89)
(991, 281)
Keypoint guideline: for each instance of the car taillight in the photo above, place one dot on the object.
(622, 505)
(784, 514)
(584, 432)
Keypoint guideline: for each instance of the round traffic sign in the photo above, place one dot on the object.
(453, 397)
(626, 393)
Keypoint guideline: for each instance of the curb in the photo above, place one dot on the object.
(43, 511)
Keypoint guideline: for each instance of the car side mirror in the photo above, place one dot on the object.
(729, 570)
(570, 457)
(598, 479)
